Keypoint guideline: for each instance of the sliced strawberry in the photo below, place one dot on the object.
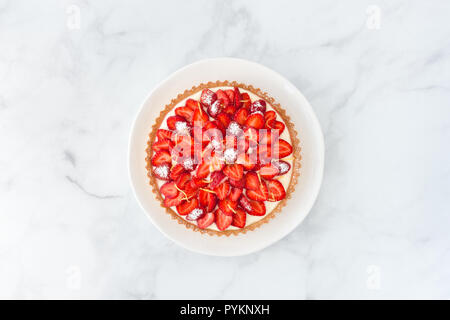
(277, 125)
(208, 97)
(191, 189)
(252, 182)
(186, 206)
(268, 137)
(161, 172)
(223, 221)
(268, 171)
(222, 95)
(202, 170)
(239, 218)
(260, 194)
(195, 214)
(237, 98)
(246, 101)
(191, 103)
(222, 190)
(230, 109)
(227, 206)
(242, 145)
(241, 116)
(283, 166)
(162, 144)
(164, 134)
(185, 112)
(205, 221)
(224, 119)
(276, 190)
(215, 108)
(216, 178)
(258, 106)
(255, 120)
(284, 148)
(258, 208)
(270, 115)
(235, 194)
(246, 160)
(171, 121)
(161, 157)
(200, 118)
(183, 180)
(238, 183)
(230, 94)
(169, 190)
(170, 202)
(200, 182)
(216, 163)
(245, 203)
(252, 135)
(234, 171)
(207, 199)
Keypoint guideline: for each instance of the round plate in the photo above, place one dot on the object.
(305, 122)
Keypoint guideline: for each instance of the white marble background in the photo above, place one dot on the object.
(70, 226)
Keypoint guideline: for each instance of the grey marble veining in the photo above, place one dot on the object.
(73, 75)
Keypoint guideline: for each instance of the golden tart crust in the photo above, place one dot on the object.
(296, 163)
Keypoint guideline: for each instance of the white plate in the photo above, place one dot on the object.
(306, 124)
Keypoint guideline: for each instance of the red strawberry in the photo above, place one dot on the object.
(246, 160)
(237, 183)
(207, 199)
(284, 148)
(222, 95)
(234, 171)
(216, 163)
(260, 194)
(186, 206)
(200, 118)
(235, 194)
(190, 189)
(164, 134)
(245, 203)
(237, 98)
(258, 105)
(239, 218)
(162, 144)
(183, 180)
(258, 208)
(241, 116)
(169, 190)
(227, 206)
(282, 166)
(230, 94)
(267, 137)
(252, 181)
(195, 214)
(268, 171)
(224, 119)
(255, 120)
(216, 178)
(270, 115)
(277, 125)
(276, 190)
(200, 182)
(208, 97)
(191, 103)
(252, 135)
(202, 170)
(170, 202)
(185, 112)
(222, 190)
(205, 221)
(223, 221)
(215, 108)
(161, 157)
(162, 172)
(230, 109)
(246, 101)
(171, 121)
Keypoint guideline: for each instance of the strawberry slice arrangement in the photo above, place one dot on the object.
(220, 158)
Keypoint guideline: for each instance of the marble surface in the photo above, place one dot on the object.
(73, 75)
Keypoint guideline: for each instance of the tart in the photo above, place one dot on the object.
(223, 158)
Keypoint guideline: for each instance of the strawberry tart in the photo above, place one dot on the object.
(223, 158)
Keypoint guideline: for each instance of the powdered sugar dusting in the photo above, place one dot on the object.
(195, 214)
(162, 171)
(182, 128)
(230, 155)
(215, 107)
(188, 164)
(258, 112)
(234, 129)
(282, 166)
